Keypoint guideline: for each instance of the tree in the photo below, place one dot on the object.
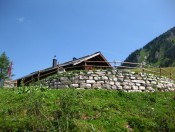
(4, 64)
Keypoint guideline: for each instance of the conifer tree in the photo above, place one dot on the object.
(4, 64)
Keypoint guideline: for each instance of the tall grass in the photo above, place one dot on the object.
(85, 110)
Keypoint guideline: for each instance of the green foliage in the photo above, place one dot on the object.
(85, 110)
(159, 52)
(143, 55)
(173, 65)
(133, 57)
(31, 89)
(173, 41)
(4, 63)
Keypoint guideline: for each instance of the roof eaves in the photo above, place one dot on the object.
(36, 72)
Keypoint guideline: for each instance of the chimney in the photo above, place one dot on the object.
(74, 58)
(54, 62)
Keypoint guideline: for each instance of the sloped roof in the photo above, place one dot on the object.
(37, 72)
(72, 62)
(85, 58)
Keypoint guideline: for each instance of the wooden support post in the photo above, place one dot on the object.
(32, 79)
(115, 64)
(22, 82)
(58, 67)
(160, 71)
(38, 75)
(170, 75)
(85, 65)
(15, 83)
(143, 70)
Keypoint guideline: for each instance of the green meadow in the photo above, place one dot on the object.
(40, 109)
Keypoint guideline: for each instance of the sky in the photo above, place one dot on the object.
(33, 31)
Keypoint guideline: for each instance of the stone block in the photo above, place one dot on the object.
(161, 86)
(126, 87)
(94, 75)
(98, 85)
(83, 77)
(131, 84)
(90, 77)
(110, 79)
(81, 81)
(74, 78)
(150, 89)
(104, 78)
(121, 76)
(63, 78)
(135, 87)
(100, 82)
(119, 87)
(163, 82)
(120, 79)
(170, 85)
(171, 89)
(90, 81)
(106, 86)
(114, 72)
(127, 80)
(125, 83)
(62, 86)
(117, 83)
(142, 88)
(97, 78)
(114, 87)
(106, 81)
(138, 81)
(147, 82)
(138, 84)
(90, 72)
(84, 85)
(139, 78)
(100, 73)
(115, 79)
(136, 90)
(111, 83)
(74, 85)
(109, 73)
(133, 78)
(154, 82)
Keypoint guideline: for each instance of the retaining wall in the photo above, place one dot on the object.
(110, 79)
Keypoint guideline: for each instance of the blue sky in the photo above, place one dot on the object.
(33, 31)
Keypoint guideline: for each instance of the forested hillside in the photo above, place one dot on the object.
(158, 52)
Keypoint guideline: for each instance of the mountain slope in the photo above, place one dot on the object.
(159, 52)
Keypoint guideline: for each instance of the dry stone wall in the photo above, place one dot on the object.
(110, 79)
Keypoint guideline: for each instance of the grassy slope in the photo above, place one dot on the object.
(86, 110)
(165, 71)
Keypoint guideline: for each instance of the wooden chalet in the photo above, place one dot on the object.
(89, 62)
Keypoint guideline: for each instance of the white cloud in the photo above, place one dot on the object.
(21, 19)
